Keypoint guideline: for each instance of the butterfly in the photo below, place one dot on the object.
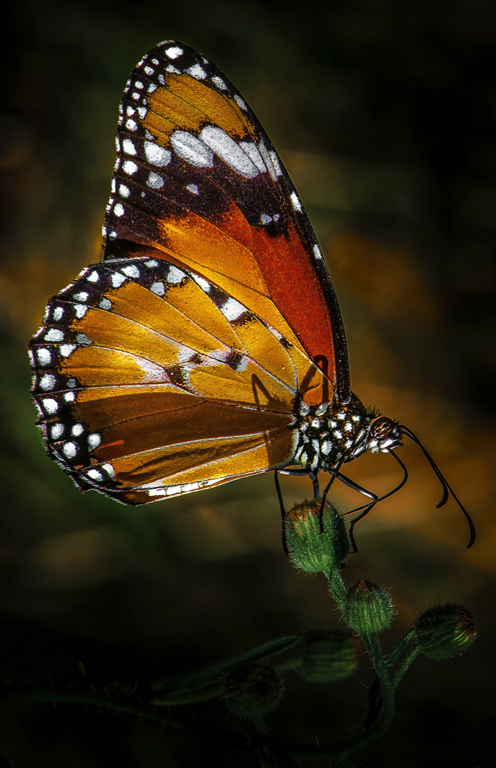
(208, 343)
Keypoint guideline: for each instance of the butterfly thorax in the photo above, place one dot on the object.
(333, 433)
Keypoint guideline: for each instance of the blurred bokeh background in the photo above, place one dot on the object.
(384, 112)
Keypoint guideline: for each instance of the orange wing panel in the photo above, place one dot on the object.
(173, 471)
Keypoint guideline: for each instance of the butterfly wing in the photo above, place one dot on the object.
(150, 382)
(198, 179)
(180, 362)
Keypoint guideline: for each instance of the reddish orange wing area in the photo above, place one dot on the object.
(198, 181)
(152, 382)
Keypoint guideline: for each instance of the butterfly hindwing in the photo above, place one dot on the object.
(150, 381)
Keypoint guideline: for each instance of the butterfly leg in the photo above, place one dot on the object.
(300, 473)
(283, 512)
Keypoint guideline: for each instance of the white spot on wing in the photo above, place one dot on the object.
(157, 155)
(117, 279)
(54, 334)
(158, 288)
(196, 71)
(232, 309)
(227, 149)
(50, 405)
(174, 52)
(154, 180)
(250, 149)
(275, 163)
(56, 431)
(129, 167)
(66, 349)
(44, 356)
(69, 450)
(48, 382)
(96, 475)
(191, 149)
(128, 147)
(268, 161)
(204, 284)
(239, 101)
(175, 275)
(295, 201)
(219, 82)
(94, 440)
(131, 271)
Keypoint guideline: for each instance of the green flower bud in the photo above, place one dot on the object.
(313, 547)
(252, 690)
(445, 631)
(329, 655)
(368, 608)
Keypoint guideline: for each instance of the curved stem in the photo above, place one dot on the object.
(337, 587)
(94, 698)
(399, 648)
(373, 646)
(405, 665)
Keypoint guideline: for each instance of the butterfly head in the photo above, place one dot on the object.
(385, 435)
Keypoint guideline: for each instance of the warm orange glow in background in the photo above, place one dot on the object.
(404, 212)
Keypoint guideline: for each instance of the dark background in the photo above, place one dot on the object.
(384, 112)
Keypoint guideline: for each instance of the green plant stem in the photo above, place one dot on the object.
(337, 587)
(240, 741)
(405, 664)
(180, 698)
(204, 679)
(93, 698)
(374, 649)
(399, 648)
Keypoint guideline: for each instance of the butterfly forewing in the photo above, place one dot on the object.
(198, 179)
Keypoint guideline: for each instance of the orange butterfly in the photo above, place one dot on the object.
(208, 344)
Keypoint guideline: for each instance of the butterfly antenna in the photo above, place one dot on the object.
(283, 512)
(447, 489)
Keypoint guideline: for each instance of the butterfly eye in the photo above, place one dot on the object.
(383, 428)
